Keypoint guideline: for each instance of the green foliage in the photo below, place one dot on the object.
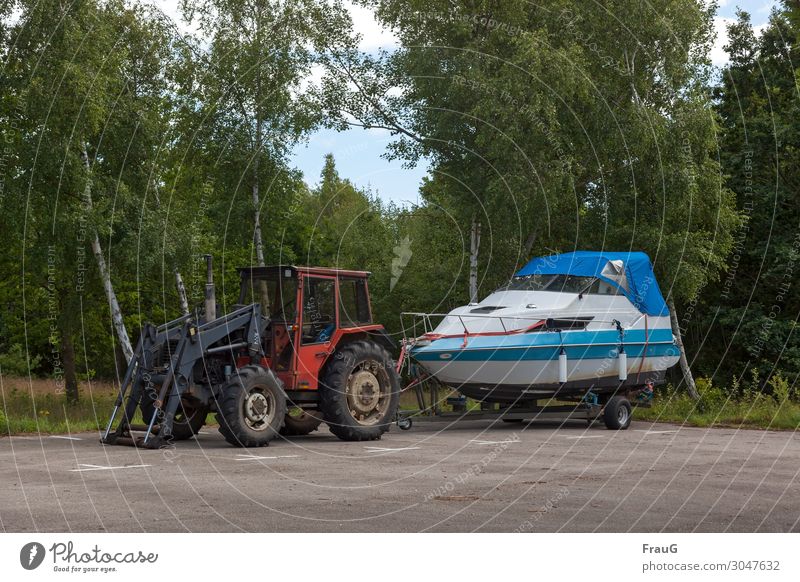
(556, 126)
(739, 406)
(242, 108)
(552, 124)
(711, 397)
(749, 320)
(16, 362)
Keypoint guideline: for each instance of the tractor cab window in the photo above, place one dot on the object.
(319, 310)
(277, 296)
(353, 302)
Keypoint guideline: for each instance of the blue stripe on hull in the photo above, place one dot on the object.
(548, 353)
(547, 346)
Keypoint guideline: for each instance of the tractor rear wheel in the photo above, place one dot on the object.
(252, 407)
(360, 392)
(188, 421)
(299, 422)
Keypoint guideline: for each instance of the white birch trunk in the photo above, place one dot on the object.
(105, 276)
(474, 246)
(257, 239)
(181, 292)
(259, 242)
(688, 378)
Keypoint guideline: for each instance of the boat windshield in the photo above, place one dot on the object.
(557, 283)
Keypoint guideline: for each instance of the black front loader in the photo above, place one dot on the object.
(180, 365)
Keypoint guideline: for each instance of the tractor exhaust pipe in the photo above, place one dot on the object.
(211, 295)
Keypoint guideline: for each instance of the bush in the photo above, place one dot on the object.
(3, 423)
(711, 397)
(720, 407)
(780, 388)
(16, 363)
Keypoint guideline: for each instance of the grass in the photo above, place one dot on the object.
(736, 406)
(763, 412)
(37, 407)
(34, 406)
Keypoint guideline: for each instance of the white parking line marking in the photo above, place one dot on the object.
(389, 450)
(102, 468)
(66, 438)
(588, 436)
(506, 442)
(255, 457)
(656, 431)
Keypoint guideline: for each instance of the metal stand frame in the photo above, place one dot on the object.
(587, 409)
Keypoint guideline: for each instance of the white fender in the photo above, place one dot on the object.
(623, 365)
(562, 366)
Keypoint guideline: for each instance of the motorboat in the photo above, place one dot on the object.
(564, 324)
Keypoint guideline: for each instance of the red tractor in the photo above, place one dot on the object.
(300, 348)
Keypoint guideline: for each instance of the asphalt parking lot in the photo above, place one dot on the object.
(466, 477)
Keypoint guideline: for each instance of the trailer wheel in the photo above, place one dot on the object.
(188, 419)
(360, 392)
(617, 413)
(299, 422)
(252, 407)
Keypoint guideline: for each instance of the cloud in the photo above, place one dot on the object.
(719, 57)
(374, 36)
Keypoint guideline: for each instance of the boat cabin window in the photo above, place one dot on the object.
(486, 309)
(569, 284)
(573, 323)
(561, 284)
(600, 287)
(528, 283)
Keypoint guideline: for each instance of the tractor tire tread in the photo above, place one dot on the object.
(230, 417)
(333, 402)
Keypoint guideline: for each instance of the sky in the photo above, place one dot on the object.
(359, 153)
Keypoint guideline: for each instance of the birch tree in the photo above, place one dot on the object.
(86, 96)
(250, 83)
(559, 125)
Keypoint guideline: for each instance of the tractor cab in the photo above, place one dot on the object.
(311, 312)
(299, 348)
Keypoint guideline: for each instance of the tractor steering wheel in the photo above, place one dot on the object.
(281, 313)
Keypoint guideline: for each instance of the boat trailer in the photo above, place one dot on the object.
(585, 404)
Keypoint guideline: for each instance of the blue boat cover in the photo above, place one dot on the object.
(638, 283)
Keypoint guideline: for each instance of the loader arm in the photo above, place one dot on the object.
(185, 343)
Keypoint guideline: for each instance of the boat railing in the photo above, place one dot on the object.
(424, 321)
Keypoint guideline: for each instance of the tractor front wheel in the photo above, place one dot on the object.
(188, 421)
(360, 392)
(252, 407)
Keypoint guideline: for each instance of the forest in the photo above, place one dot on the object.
(131, 148)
